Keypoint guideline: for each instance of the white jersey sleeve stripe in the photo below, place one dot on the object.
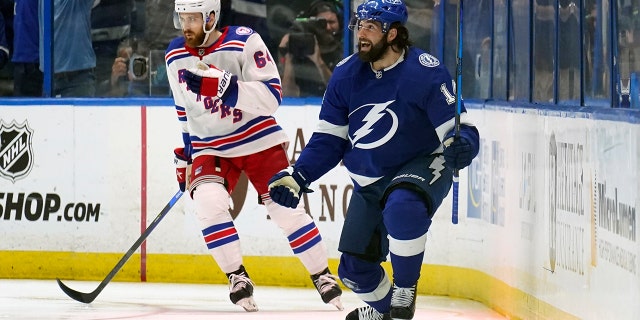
(332, 129)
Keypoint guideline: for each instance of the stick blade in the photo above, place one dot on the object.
(76, 295)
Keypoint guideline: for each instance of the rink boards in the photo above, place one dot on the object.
(547, 226)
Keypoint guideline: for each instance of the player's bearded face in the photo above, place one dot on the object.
(193, 37)
(371, 52)
(192, 29)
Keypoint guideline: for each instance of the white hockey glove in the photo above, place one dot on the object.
(286, 186)
(210, 81)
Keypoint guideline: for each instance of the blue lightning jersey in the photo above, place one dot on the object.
(377, 121)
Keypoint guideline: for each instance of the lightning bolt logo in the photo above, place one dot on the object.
(377, 112)
(437, 166)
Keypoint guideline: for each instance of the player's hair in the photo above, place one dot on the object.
(402, 40)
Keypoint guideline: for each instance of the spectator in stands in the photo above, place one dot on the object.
(543, 53)
(593, 83)
(569, 47)
(110, 25)
(4, 44)
(116, 85)
(134, 72)
(138, 68)
(27, 76)
(6, 47)
(248, 13)
(482, 69)
(628, 48)
(312, 48)
(74, 61)
(159, 28)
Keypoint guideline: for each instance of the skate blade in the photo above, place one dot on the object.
(337, 303)
(248, 304)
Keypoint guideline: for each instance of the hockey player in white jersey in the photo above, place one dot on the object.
(387, 114)
(226, 88)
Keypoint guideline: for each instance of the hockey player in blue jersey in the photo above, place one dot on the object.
(387, 114)
(226, 89)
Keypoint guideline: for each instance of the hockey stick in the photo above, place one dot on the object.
(456, 177)
(89, 297)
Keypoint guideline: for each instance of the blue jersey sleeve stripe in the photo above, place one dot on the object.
(276, 88)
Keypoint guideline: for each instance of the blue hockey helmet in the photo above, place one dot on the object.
(384, 11)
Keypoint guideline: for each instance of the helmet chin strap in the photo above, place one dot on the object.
(206, 33)
(206, 37)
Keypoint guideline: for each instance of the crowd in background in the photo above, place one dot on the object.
(115, 48)
(120, 52)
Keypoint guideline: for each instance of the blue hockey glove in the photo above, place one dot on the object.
(181, 161)
(210, 81)
(459, 152)
(286, 186)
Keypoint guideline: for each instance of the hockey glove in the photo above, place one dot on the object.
(181, 161)
(460, 151)
(210, 81)
(286, 186)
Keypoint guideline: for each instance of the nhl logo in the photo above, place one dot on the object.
(201, 52)
(16, 156)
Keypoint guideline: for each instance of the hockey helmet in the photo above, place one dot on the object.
(384, 11)
(203, 6)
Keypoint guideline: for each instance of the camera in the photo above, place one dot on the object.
(301, 44)
(138, 67)
(304, 33)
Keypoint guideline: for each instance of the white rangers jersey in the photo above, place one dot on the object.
(242, 124)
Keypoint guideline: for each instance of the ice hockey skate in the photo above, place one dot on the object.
(403, 303)
(241, 290)
(328, 288)
(367, 313)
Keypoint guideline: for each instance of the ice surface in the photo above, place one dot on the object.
(43, 299)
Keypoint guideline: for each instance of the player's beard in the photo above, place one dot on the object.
(375, 52)
(194, 39)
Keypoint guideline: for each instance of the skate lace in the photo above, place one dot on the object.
(369, 313)
(402, 297)
(325, 282)
(238, 282)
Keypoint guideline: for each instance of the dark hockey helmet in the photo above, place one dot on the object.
(384, 11)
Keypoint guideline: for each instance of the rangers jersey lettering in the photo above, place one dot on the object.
(243, 122)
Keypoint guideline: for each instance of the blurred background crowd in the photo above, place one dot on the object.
(118, 45)
(548, 51)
